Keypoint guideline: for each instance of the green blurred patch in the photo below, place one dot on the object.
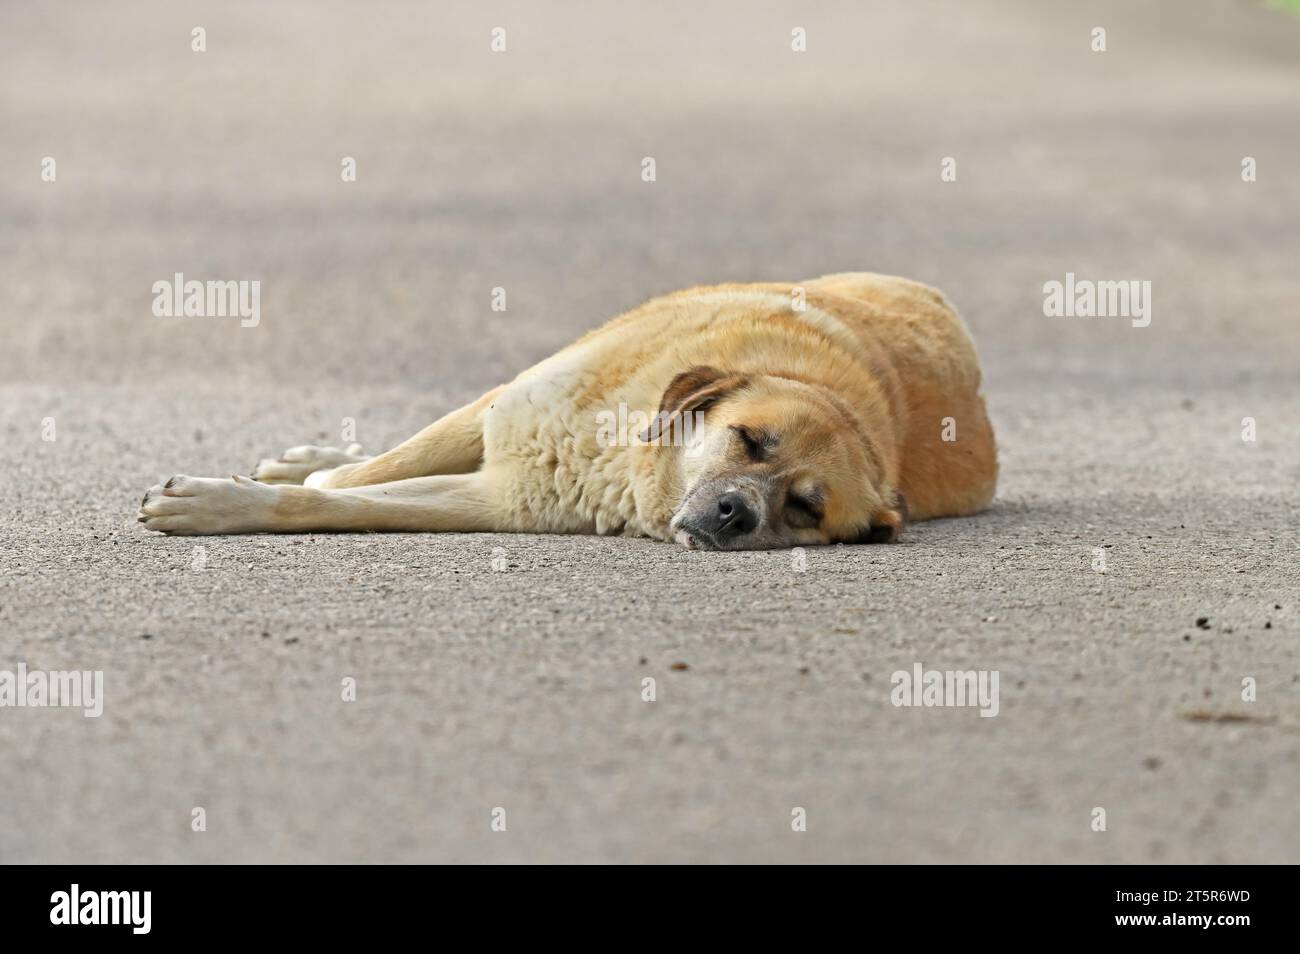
(1292, 5)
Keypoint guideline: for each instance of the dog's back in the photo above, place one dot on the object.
(949, 460)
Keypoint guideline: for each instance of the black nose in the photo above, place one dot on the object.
(733, 517)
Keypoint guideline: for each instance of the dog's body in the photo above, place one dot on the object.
(823, 412)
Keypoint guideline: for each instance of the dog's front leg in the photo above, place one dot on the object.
(201, 505)
(451, 445)
(296, 464)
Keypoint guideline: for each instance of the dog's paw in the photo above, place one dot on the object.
(297, 463)
(204, 505)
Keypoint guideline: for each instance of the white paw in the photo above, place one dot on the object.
(203, 505)
(297, 463)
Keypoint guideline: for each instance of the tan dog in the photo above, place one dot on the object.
(726, 417)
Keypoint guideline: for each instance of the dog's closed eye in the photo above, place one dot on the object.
(756, 442)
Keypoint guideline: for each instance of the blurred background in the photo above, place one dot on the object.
(522, 170)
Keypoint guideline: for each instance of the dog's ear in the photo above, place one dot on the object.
(692, 390)
(887, 524)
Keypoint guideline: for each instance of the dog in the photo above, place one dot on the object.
(776, 415)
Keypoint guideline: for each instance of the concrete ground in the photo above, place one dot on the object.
(224, 657)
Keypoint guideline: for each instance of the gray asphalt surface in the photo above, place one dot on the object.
(522, 689)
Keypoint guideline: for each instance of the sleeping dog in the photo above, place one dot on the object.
(775, 416)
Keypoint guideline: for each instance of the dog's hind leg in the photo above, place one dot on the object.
(448, 503)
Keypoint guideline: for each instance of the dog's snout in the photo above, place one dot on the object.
(734, 517)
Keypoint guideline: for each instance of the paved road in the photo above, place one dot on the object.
(521, 689)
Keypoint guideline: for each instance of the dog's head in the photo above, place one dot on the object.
(777, 463)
